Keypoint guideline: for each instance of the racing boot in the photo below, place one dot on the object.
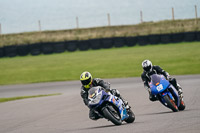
(180, 91)
(125, 102)
(177, 86)
(152, 97)
(116, 93)
(94, 115)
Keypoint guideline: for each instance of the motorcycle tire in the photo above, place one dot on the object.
(170, 103)
(131, 117)
(110, 115)
(182, 105)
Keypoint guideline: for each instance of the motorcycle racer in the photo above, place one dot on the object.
(87, 82)
(148, 70)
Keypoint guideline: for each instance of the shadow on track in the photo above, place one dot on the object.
(166, 112)
(106, 126)
(90, 128)
(98, 127)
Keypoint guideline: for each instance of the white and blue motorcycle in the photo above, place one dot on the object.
(109, 106)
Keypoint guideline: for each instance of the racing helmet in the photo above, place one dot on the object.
(86, 79)
(147, 65)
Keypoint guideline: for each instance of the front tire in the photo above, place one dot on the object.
(131, 117)
(170, 103)
(110, 115)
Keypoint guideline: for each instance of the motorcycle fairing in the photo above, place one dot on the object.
(160, 85)
(118, 102)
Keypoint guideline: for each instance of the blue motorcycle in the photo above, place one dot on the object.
(166, 93)
(109, 106)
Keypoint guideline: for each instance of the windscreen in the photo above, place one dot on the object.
(92, 90)
(155, 79)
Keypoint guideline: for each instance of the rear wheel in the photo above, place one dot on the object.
(111, 114)
(170, 103)
(182, 105)
(131, 117)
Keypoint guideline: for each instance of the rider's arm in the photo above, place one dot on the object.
(161, 71)
(84, 95)
(145, 80)
(100, 82)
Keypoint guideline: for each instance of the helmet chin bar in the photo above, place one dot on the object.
(148, 68)
(88, 85)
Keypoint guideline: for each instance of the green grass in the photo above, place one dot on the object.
(177, 59)
(25, 97)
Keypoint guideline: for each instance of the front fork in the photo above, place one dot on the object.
(173, 95)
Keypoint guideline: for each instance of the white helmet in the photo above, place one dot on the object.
(147, 65)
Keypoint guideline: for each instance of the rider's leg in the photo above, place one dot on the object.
(93, 115)
(116, 93)
(176, 85)
(152, 97)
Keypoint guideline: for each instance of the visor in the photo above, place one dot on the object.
(147, 68)
(86, 82)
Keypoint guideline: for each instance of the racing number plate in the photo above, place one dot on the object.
(159, 87)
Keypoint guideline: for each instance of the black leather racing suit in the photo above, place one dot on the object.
(84, 94)
(156, 70)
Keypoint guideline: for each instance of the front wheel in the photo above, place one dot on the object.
(131, 117)
(170, 103)
(111, 114)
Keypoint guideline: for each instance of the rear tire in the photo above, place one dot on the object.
(170, 103)
(111, 116)
(131, 117)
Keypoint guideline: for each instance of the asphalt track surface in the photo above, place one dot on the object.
(67, 113)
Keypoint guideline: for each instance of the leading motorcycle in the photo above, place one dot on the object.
(109, 106)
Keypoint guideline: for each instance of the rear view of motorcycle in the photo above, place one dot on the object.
(166, 93)
(109, 106)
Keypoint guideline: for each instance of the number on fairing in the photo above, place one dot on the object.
(160, 87)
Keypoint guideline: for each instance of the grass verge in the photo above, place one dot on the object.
(25, 97)
(146, 28)
(176, 58)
